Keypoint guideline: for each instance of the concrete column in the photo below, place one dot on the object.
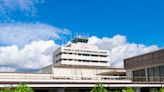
(57, 90)
(60, 90)
(138, 89)
(146, 74)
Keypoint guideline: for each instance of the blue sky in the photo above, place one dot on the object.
(140, 20)
(30, 30)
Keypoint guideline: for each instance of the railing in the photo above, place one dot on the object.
(26, 76)
(62, 77)
(80, 77)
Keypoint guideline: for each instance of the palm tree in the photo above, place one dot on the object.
(161, 90)
(99, 88)
(23, 88)
(128, 90)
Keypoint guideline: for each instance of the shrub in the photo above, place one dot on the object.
(6, 89)
(19, 88)
(116, 90)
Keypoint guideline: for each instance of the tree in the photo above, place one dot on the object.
(99, 88)
(128, 89)
(161, 90)
(23, 88)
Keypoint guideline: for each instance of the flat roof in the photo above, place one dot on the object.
(145, 53)
(89, 67)
(154, 58)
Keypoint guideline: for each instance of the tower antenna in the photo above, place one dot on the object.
(62, 39)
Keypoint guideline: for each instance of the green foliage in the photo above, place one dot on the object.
(110, 90)
(99, 88)
(128, 89)
(161, 90)
(116, 90)
(155, 90)
(23, 88)
(19, 88)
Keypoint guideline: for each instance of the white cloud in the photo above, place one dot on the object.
(7, 69)
(108, 43)
(35, 55)
(7, 7)
(38, 54)
(27, 46)
(120, 48)
(23, 33)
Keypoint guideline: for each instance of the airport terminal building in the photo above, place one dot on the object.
(79, 66)
(147, 67)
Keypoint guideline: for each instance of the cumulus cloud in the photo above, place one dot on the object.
(120, 48)
(7, 7)
(28, 46)
(35, 55)
(38, 54)
(23, 33)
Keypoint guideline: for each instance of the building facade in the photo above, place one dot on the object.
(79, 52)
(79, 59)
(147, 67)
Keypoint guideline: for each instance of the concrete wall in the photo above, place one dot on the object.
(74, 71)
(46, 70)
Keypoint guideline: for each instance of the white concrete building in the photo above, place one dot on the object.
(79, 52)
(81, 59)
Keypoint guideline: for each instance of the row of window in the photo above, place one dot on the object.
(81, 60)
(139, 75)
(81, 54)
(86, 51)
(154, 74)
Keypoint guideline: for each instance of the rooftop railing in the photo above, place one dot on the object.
(61, 77)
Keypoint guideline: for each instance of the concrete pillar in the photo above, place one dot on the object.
(138, 89)
(146, 74)
(60, 90)
(57, 90)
